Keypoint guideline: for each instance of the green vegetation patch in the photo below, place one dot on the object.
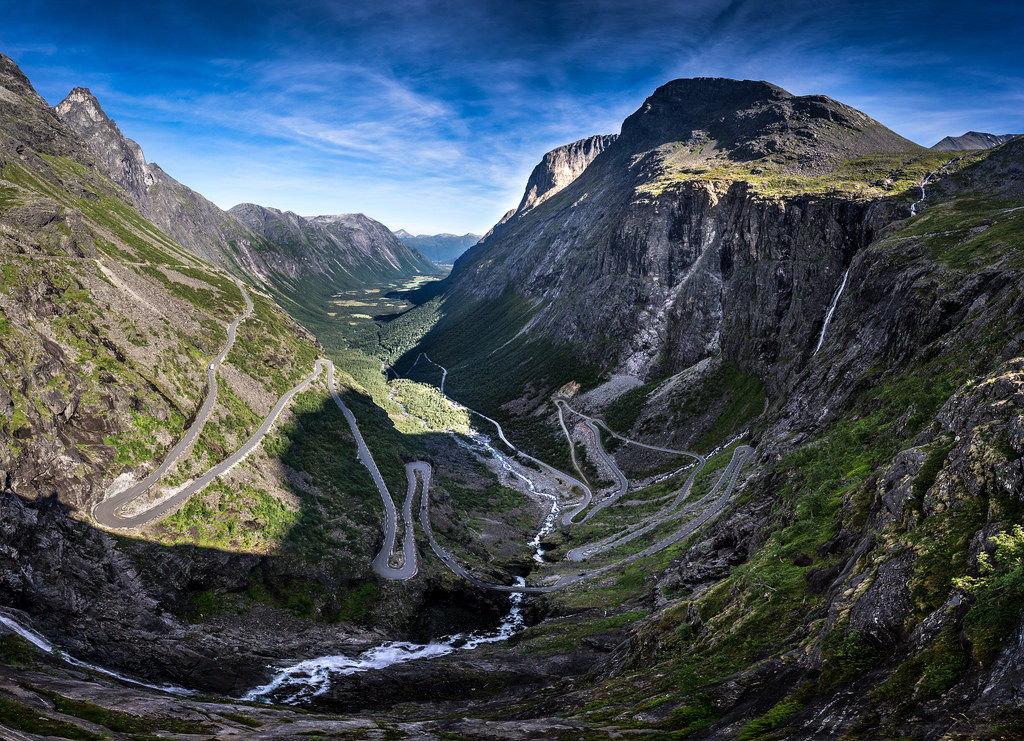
(16, 651)
(121, 722)
(967, 231)
(734, 398)
(240, 517)
(623, 413)
(928, 674)
(565, 635)
(998, 593)
(868, 176)
(20, 717)
(427, 403)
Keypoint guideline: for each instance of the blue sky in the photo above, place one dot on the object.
(430, 115)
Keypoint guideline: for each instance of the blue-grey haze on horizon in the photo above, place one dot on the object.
(429, 115)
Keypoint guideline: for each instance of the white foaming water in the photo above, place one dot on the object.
(913, 206)
(928, 179)
(552, 517)
(40, 642)
(312, 677)
(831, 311)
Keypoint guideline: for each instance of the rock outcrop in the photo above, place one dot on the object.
(559, 167)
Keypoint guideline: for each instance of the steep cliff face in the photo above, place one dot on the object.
(559, 167)
(721, 219)
(863, 584)
(121, 157)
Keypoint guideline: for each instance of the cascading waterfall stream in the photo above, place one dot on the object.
(313, 677)
(550, 520)
(928, 179)
(913, 206)
(830, 312)
(913, 212)
(41, 643)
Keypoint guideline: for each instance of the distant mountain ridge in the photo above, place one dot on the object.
(972, 140)
(323, 254)
(442, 248)
(335, 251)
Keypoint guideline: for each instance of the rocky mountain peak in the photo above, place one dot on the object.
(561, 166)
(697, 103)
(13, 79)
(747, 119)
(81, 101)
(972, 140)
(121, 157)
(28, 120)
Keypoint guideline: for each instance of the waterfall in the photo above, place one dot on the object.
(831, 311)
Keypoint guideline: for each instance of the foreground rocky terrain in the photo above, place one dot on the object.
(739, 267)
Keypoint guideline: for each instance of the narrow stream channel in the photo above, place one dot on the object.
(41, 643)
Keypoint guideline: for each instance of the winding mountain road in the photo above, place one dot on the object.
(105, 512)
(418, 475)
(728, 479)
(623, 483)
(381, 562)
(727, 482)
(423, 468)
(672, 512)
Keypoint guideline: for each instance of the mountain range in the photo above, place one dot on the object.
(443, 249)
(287, 253)
(717, 434)
(972, 140)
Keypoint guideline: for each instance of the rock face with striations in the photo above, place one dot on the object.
(559, 167)
(661, 252)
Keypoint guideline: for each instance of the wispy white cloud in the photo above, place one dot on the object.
(431, 113)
